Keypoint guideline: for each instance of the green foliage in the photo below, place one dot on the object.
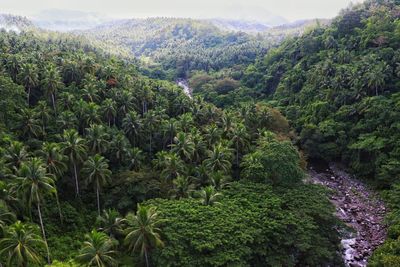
(248, 228)
(274, 162)
(75, 119)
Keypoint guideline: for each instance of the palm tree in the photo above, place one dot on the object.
(34, 184)
(219, 180)
(97, 250)
(169, 128)
(74, 147)
(131, 125)
(97, 173)
(109, 110)
(15, 154)
(110, 222)
(28, 123)
(67, 120)
(152, 120)
(143, 232)
(119, 147)
(13, 65)
(29, 77)
(42, 111)
(52, 82)
(136, 158)
(54, 158)
(183, 187)
(183, 146)
(6, 218)
(97, 138)
(170, 164)
(209, 196)
(376, 77)
(219, 159)
(239, 138)
(20, 245)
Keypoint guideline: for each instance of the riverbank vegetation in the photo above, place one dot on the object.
(339, 87)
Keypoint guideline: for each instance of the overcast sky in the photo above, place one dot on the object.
(289, 9)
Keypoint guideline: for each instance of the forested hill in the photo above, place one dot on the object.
(15, 23)
(101, 164)
(340, 88)
(179, 45)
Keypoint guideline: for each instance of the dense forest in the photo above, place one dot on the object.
(338, 86)
(105, 161)
(102, 166)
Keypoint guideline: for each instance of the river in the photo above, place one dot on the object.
(358, 207)
(185, 85)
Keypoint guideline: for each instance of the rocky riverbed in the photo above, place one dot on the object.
(357, 206)
(185, 85)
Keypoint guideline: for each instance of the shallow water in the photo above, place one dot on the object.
(358, 207)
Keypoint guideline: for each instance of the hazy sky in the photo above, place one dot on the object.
(289, 9)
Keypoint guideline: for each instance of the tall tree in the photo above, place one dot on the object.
(143, 232)
(97, 173)
(34, 183)
(52, 83)
(29, 77)
(21, 245)
(74, 147)
(97, 250)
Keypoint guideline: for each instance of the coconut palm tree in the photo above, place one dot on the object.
(219, 159)
(54, 158)
(52, 83)
(29, 77)
(97, 250)
(42, 112)
(74, 147)
(209, 196)
(183, 187)
(136, 158)
(6, 218)
(97, 173)
(15, 154)
(170, 164)
(143, 232)
(109, 109)
(131, 125)
(28, 123)
(110, 222)
(183, 146)
(34, 183)
(20, 245)
(240, 138)
(97, 138)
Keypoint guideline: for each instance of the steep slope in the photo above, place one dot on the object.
(339, 86)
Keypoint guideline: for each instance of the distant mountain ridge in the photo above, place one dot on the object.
(15, 23)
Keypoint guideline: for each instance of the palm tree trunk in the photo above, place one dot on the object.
(43, 233)
(76, 179)
(237, 152)
(145, 256)
(59, 208)
(53, 100)
(29, 94)
(98, 199)
(150, 143)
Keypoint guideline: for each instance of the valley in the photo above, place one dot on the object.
(200, 141)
